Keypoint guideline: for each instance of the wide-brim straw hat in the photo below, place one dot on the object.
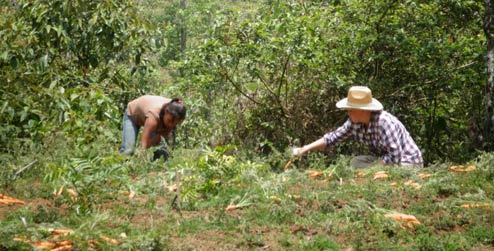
(360, 98)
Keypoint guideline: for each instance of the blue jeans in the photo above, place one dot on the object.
(129, 135)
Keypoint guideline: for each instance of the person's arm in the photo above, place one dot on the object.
(150, 125)
(316, 145)
(328, 140)
(156, 140)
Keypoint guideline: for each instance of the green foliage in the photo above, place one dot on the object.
(291, 63)
(210, 174)
(255, 78)
(62, 61)
(87, 177)
(268, 62)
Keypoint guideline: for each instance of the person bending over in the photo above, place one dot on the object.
(387, 138)
(157, 115)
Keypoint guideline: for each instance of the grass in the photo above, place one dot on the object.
(130, 202)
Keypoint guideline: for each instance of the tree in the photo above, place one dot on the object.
(488, 26)
(60, 57)
(293, 61)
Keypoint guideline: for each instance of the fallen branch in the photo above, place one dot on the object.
(25, 168)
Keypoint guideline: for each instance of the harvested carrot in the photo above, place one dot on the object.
(468, 206)
(22, 239)
(62, 232)
(288, 164)
(57, 193)
(410, 220)
(132, 194)
(64, 243)
(412, 184)
(293, 196)
(93, 244)
(9, 200)
(275, 198)
(44, 244)
(231, 207)
(110, 240)
(172, 188)
(380, 175)
(424, 175)
(314, 174)
(64, 247)
(72, 193)
(462, 169)
(52, 245)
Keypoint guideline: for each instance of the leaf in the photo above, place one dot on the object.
(5, 56)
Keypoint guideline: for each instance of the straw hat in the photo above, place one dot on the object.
(360, 98)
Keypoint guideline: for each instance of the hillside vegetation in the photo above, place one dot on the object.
(257, 77)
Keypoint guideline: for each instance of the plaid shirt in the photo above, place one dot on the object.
(385, 135)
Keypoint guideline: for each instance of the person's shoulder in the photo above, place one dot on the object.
(155, 98)
(149, 96)
(384, 117)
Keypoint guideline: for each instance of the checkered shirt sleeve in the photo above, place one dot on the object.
(333, 138)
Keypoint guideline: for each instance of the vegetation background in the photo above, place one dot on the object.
(257, 77)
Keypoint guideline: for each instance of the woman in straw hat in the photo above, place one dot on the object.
(388, 139)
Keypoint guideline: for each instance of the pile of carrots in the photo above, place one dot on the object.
(4, 199)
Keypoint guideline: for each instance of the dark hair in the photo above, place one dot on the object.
(175, 108)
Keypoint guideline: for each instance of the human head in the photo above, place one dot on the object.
(360, 98)
(359, 116)
(173, 113)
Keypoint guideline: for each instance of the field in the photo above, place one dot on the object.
(257, 77)
(219, 199)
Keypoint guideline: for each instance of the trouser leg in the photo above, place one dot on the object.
(411, 165)
(363, 161)
(129, 135)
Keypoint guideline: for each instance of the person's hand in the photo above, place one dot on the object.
(297, 152)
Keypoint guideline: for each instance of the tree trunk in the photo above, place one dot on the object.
(183, 34)
(489, 30)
